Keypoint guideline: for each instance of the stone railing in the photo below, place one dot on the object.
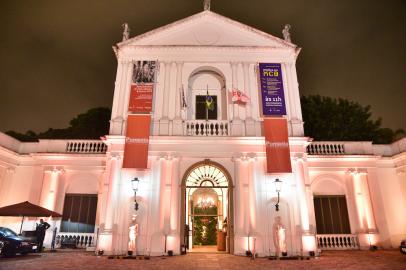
(206, 128)
(326, 148)
(337, 241)
(75, 240)
(340, 148)
(85, 147)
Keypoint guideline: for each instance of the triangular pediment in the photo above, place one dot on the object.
(207, 29)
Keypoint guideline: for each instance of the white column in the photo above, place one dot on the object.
(164, 122)
(308, 239)
(5, 188)
(177, 122)
(367, 233)
(113, 169)
(50, 187)
(294, 100)
(121, 91)
(247, 89)
(234, 86)
(249, 121)
(242, 219)
(165, 100)
(179, 67)
(236, 125)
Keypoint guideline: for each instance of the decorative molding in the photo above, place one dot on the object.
(207, 13)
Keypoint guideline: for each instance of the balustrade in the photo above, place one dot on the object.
(337, 241)
(206, 128)
(326, 148)
(86, 147)
(75, 240)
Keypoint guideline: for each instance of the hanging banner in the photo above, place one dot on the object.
(136, 142)
(277, 145)
(141, 98)
(142, 86)
(272, 95)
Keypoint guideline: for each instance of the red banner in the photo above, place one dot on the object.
(136, 142)
(141, 98)
(277, 145)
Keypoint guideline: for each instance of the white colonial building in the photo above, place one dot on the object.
(206, 173)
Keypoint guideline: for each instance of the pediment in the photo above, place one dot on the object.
(207, 29)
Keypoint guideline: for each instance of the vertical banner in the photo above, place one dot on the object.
(142, 86)
(277, 145)
(136, 142)
(141, 98)
(139, 118)
(272, 95)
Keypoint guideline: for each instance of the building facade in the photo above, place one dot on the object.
(206, 165)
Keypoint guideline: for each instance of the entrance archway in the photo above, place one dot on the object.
(207, 208)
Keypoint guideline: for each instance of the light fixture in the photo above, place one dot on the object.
(134, 183)
(278, 188)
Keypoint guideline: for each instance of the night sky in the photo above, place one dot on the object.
(56, 59)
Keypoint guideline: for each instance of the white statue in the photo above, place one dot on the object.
(133, 234)
(286, 33)
(126, 31)
(206, 4)
(279, 236)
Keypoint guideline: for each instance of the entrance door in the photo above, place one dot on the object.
(206, 214)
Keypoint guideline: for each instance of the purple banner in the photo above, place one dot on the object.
(273, 98)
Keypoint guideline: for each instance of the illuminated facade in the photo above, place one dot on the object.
(207, 173)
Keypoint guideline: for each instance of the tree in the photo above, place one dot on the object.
(328, 119)
(90, 125)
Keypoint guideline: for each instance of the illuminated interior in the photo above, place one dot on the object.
(206, 206)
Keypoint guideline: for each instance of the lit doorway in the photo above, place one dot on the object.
(207, 209)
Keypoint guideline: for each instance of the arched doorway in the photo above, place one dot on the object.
(207, 208)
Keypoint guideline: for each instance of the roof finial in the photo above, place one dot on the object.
(286, 33)
(206, 4)
(126, 31)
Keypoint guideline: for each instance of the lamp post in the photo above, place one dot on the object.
(278, 188)
(135, 182)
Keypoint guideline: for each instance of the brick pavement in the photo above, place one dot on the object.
(382, 259)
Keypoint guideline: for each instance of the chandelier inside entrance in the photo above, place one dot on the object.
(205, 202)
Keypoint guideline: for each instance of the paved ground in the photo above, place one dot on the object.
(382, 259)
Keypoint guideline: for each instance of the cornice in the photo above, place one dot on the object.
(207, 13)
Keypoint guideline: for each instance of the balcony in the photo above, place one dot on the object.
(216, 128)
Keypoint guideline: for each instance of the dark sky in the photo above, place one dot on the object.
(56, 59)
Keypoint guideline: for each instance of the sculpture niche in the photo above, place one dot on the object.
(133, 234)
(279, 237)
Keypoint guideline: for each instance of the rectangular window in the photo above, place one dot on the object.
(79, 213)
(331, 215)
(202, 112)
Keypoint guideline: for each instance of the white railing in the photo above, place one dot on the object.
(86, 147)
(206, 128)
(340, 148)
(79, 240)
(337, 241)
(326, 148)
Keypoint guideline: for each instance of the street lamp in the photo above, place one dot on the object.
(278, 188)
(134, 183)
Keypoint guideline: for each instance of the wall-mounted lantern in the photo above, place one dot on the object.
(134, 183)
(278, 188)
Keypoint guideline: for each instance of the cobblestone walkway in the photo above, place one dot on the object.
(383, 259)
